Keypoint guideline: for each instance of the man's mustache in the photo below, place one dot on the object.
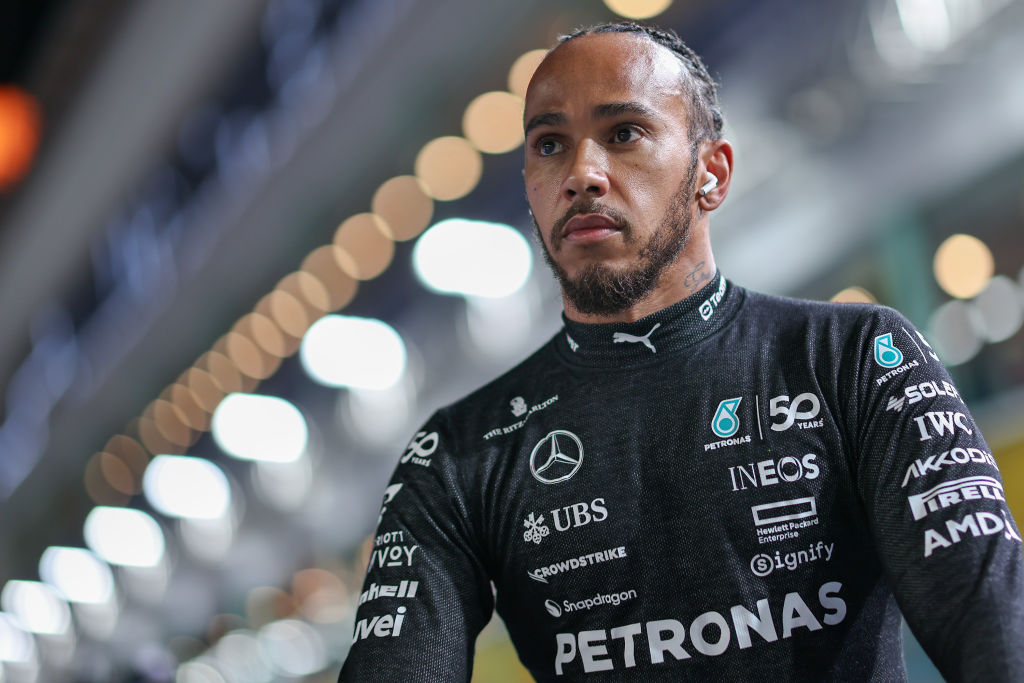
(588, 206)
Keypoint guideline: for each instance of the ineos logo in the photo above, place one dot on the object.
(778, 406)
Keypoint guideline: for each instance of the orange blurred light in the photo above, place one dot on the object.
(404, 205)
(367, 239)
(19, 133)
(522, 70)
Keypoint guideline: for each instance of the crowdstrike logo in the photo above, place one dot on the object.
(886, 354)
(573, 563)
(556, 457)
(620, 337)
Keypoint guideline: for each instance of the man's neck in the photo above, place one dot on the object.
(683, 278)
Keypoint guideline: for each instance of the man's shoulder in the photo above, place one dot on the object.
(507, 397)
(790, 311)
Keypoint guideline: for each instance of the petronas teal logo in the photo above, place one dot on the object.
(886, 353)
(726, 422)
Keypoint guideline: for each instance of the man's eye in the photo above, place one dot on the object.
(626, 134)
(546, 147)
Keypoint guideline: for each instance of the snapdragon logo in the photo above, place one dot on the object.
(599, 600)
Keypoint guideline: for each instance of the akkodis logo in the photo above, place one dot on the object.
(886, 354)
(726, 422)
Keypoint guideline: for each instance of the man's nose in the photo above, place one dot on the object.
(588, 176)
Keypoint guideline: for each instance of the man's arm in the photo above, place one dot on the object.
(426, 595)
(935, 502)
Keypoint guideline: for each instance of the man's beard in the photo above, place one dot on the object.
(598, 289)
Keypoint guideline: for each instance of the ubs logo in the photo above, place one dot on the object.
(556, 457)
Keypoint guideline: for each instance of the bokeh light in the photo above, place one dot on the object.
(999, 309)
(963, 266)
(449, 167)
(493, 122)
(522, 71)
(362, 353)
(256, 427)
(19, 133)
(475, 258)
(331, 265)
(403, 204)
(854, 295)
(124, 536)
(638, 9)
(365, 238)
(183, 486)
(952, 330)
(81, 576)
(38, 607)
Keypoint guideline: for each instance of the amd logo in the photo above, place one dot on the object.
(769, 472)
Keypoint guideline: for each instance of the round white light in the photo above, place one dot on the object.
(362, 353)
(37, 606)
(952, 329)
(124, 536)
(475, 258)
(183, 486)
(78, 574)
(15, 644)
(293, 647)
(254, 427)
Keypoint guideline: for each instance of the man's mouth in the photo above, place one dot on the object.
(589, 227)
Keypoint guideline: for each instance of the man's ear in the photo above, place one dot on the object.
(716, 159)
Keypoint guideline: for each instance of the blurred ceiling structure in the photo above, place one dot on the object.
(197, 155)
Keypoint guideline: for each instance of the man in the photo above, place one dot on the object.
(707, 483)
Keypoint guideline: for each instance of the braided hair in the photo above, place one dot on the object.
(702, 89)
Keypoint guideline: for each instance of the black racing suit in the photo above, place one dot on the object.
(737, 487)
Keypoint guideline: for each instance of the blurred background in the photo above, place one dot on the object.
(247, 246)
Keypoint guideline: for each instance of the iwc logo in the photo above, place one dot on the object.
(556, 457)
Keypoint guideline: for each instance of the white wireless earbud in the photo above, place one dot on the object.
(712, 183)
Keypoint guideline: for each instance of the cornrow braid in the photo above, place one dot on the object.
(702, 89)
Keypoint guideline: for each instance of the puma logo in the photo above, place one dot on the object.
(620, 337)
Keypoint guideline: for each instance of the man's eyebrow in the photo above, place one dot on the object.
(548, 119)
(614, 109)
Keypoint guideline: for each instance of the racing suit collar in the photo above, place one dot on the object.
(662, 333)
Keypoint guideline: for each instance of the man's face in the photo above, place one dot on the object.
(610, 167)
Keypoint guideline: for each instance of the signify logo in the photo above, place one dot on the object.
(764, 564)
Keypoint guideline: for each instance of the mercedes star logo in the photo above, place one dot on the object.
(556, 457)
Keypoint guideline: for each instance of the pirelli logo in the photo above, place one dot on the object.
(784, 511)
(954, 492)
